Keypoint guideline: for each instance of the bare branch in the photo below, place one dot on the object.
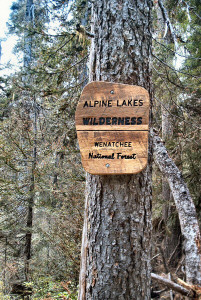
(168, 23)
(81, 29)
(174, 286)
(164, 260)
(196, 126)
(176, 71)
(192, 9)
(174, 251)
(185, 208)
(185, 56)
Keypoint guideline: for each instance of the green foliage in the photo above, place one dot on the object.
(2, 295)
(176, 110)
(177, 91)
(39, 154)
(49, 288)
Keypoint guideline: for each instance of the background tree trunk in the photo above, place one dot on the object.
(116, 237)
(170, 241)
(30, 106)
(28, 35)
(166, 135)
(186, 211)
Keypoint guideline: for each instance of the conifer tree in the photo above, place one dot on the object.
(116, 236)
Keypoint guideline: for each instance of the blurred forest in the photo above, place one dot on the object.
(42, 179)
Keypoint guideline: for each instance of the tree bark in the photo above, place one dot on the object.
(115, 262)
(186, 211)
(28, 36)
(166, 135)
(170, 241)
(30, 106)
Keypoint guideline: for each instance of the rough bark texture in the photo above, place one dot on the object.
(117, 230)
(186, 211)
(166, 135)
(170, 241)
(30, 107)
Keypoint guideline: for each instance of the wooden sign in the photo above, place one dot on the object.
(112, 123)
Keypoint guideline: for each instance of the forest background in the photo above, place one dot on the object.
(42, 180)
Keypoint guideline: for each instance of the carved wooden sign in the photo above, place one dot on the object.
(112, 123)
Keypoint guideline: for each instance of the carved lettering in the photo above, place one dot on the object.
(113, 121)
(100, 156)
(130, 102)
(96, 103)
(132, 156)
(111, 156)
(113, 144)
(110, 103)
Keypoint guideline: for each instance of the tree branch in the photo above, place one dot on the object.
(185, 208)
(81, 29)
(175, 52)
(174, 286)
(168, 23)
(173, 69)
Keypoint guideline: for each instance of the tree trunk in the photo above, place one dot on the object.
(30, 106)
(170, 241)
(186, 211)
(166, 135)
(115, 262)
(28, 36)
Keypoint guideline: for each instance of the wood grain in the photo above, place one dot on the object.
(139, 145)
(101, 91)
(117, 143)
